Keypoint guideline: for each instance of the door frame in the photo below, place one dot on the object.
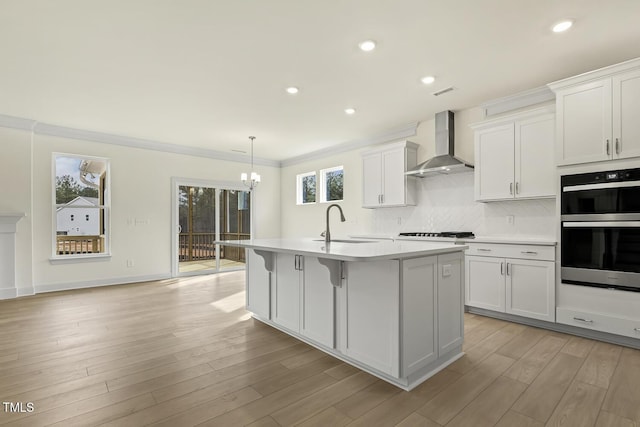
(218, 185)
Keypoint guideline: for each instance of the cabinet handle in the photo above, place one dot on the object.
(529, 252)
(483, 250)
(507, 269)
(300, 262)
(636, 329)
(517, 188)
(617, 146)
(608, 147)
(502, 268)
(295, 262)
(511, 188)
(580, 319)
(382, 198)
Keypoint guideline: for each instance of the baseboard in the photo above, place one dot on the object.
(99, 282)
(21, 292)
(558, 327)
(7, 293)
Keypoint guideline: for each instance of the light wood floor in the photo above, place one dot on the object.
(185, 352)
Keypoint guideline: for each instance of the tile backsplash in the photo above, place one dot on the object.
(445, 203)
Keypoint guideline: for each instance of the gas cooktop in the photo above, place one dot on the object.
(449, 234)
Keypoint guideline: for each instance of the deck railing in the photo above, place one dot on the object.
(68, 245)
(201, 246)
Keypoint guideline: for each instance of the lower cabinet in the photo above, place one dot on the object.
(258, 285)
(511, 279)
(303, 298)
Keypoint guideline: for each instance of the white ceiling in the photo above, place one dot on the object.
(209, 73)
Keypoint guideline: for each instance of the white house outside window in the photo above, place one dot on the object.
(80, 190)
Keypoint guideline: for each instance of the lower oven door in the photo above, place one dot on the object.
(601, 253)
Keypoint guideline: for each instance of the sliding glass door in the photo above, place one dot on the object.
(204, 212)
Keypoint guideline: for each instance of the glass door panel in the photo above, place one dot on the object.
(235, 224)
(197, 229)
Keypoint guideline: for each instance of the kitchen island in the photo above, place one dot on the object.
(391, 308)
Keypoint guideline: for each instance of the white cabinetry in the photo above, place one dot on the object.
(514, 156)
(258, 285)
(303, 298)
(597, 115)
(514, 279)
(384, 183)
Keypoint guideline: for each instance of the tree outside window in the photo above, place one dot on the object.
(306, 188)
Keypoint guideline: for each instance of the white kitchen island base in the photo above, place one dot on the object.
(397, 314)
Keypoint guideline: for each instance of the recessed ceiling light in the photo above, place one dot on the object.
(367, 45)
(350, 111)
(428, 80)
(293, 90)
(562, 26)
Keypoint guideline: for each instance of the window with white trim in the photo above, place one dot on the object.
(80, 190)
(306, 188)
(332, 184)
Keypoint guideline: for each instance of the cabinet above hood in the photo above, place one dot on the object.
(444, 162)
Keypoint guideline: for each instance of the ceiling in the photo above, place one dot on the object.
(209, 73)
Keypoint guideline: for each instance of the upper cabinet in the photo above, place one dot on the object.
(597, 115)
(384, 183)
(514, 156)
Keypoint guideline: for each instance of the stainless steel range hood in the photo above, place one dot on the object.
(444, 161)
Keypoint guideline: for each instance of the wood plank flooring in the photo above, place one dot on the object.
(184, 352)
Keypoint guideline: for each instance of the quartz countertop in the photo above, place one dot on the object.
(349, 249)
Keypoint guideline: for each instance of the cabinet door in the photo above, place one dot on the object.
(286, 310)
(584, 123)
(371, 314)
(393, 177)
(484, 282)
(258, 285)
(318, 306)
(450, 302)
(626, 104)
(535, 167)
(371, 180)
(530, 288)
(419, 279)
(494, 170)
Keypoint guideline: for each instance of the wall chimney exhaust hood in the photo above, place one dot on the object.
(444, 161)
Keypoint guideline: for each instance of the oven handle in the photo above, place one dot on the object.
(602, 224)
(584, 187)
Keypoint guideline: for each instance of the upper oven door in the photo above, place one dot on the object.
(602, 198)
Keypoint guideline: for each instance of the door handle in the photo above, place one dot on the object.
(617, 146)
(507, 269)
(511, 188)
(502, 268)
(295, 262)
(608, 151)
(517, 188)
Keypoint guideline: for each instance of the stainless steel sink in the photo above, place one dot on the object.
(346, 241)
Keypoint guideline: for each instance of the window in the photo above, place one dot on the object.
(331, 184)
(80, 188)
(306, 188)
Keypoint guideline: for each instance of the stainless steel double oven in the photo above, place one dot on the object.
(600, 229)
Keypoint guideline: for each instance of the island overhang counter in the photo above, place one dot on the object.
(391, 308)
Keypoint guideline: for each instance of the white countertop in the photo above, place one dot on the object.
(370, 250)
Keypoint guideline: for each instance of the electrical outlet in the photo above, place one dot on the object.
(510, 219)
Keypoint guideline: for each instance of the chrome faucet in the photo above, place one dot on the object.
(327, 233)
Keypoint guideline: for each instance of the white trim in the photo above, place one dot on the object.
(506, 119)
(393, 135)
(7, 293)
(25, 291)
(99, 282)
(518, 100)
(598, 74)
(16, 122)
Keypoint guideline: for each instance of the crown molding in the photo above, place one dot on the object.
(392, 135)
(16, 122)
(518, 100)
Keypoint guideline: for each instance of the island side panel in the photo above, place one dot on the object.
(419, 313)
(450, 303)
(258, 285)
(371, 314)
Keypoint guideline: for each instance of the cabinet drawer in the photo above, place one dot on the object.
(545, 253)
(599, 322)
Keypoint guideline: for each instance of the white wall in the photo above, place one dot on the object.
(445, 203)
(141, 190)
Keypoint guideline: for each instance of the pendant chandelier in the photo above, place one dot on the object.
(253, 179)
